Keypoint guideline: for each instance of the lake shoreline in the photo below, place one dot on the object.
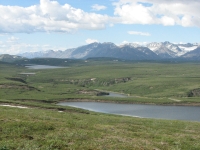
(121, 102)
(189, 113)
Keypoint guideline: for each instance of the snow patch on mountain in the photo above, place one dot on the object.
(134, 45)
(127, 50)
(171, 49)
(154, 46)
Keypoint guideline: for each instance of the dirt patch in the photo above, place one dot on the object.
(22, 107)
(176, 100)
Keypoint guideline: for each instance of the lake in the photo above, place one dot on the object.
(111, 94)
(43, 67)
(190, 113)
(28, 73)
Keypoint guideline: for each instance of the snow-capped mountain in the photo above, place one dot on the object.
(34, 54)
(135, 45)
(111, 50)
(170, 50)
(193, 55)
(48, 54)
(187, 47)
(107, 49)
(129, 51)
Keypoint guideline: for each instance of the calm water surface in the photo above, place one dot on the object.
(143, 111)
(111, 94)
(29, 73)
(43, 67)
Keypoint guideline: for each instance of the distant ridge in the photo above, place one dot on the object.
(10, 58)
(129, 51)
(193, 55)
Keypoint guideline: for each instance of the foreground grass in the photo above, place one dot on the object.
(45, 127)
(49, 129)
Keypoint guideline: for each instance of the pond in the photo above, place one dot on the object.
(27, 73)
(111, 94)
(42, 67)
(190, 113)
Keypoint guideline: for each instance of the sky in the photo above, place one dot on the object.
(40, 25)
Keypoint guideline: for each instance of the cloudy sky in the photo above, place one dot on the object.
(38, 25)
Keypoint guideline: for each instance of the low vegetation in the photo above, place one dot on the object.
(144, 82)
(71, 129)
(44, 125)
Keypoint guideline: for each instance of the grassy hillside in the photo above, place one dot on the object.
(44, 125)
(49, 129)
(143, 82)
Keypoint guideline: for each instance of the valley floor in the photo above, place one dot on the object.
(48, 126)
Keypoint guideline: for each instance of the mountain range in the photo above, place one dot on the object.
(10, 58)
(129, 51)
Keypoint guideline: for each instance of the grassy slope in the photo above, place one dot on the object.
(150, 82)
(43, 127)
(47, 129)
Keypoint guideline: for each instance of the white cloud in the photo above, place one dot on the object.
(89, 41)
(13, 46)
(124, 42)
(3, 34)
(139, 33)
(133, 14)
(135, 44)
(167, 21)
(177, 12)
(12, 39)
(48, 16)
(111, 25)
(97, 7)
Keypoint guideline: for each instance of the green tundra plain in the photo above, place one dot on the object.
(45, 125)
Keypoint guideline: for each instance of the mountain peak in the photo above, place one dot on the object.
(134, 45)
(126, 51)
(166, 42)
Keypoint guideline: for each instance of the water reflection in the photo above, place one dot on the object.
(27, 73)
(43, 67)
(144, 111)
(111, 94)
